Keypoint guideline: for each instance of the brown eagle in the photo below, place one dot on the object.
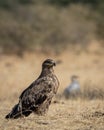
(37, 97)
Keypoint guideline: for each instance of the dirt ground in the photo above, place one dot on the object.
(78, 114)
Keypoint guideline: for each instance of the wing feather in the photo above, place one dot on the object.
(37, 92)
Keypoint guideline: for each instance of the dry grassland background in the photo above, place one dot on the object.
(83, 113)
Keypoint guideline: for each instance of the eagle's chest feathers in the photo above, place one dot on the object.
(50, 77)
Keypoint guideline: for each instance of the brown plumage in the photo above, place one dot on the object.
(37, 97)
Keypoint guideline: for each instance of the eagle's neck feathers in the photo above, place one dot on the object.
(47, 71)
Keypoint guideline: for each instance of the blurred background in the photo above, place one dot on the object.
(69, 31)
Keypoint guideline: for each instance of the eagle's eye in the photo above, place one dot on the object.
(49, 62)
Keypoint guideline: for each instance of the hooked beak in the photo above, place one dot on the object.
(54, 64)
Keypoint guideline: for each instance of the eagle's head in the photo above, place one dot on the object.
(49, 63)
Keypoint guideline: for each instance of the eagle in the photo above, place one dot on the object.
(38, 96)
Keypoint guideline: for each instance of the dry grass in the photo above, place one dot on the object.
(65, 115)
(78, 114)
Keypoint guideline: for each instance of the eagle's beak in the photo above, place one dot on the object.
(54, 64)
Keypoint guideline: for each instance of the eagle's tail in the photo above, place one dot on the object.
(15, 113)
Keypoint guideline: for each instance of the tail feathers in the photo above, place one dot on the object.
(15, 113)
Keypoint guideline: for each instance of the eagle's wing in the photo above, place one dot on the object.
(37, 93)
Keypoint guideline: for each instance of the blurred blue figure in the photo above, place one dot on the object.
(73, 90)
